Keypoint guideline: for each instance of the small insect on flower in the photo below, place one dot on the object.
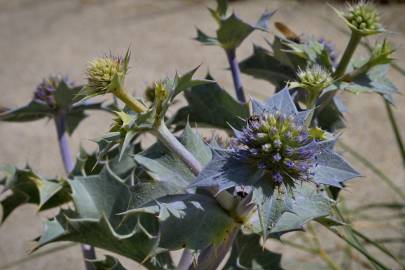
(363, 18)
(46, 89)
(105, 75)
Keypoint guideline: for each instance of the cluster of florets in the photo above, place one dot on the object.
(102, 72)
(315, 77)
(363, 17)
(277, 144)
(45, 90)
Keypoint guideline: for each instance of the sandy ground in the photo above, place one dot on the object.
(39, 37)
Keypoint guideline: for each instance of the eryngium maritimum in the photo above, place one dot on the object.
(45, 90)
(105, 75)
(278, 144)
(277, 147)
(102, 72)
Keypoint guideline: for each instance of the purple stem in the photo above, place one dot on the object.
(234, 65)
(60, 122)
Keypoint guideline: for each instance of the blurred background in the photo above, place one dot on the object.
(42, 37)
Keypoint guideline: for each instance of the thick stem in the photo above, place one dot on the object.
(234, 65)
(347, 55)
(130, 101)
(60, 122)
(185, 260)
(170, 141)
(354, 41)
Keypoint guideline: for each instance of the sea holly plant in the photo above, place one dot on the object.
(275, 169)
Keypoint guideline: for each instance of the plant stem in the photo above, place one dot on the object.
(234, 65)
(130, 101)
(60, 122)
(170, 141)
(347, 55)
(395, 128)
(185, 260)
(354, 41)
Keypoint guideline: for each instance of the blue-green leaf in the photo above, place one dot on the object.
(202, 221)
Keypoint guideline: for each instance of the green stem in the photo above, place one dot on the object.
(396, 131)
(374, 169)
(354, 41)
(165, 136)
(347, 55)
(130, 101)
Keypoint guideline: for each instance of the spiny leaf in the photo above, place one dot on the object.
(30, 112)
(28, 187)
(98, 199)
(306, 203)
(211, 105)
(201, 219)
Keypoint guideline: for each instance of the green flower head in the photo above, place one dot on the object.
(105, 75)
(363, 18)
(313, 79)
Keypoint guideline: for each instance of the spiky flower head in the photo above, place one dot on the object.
(280, 145)
(276, 147)
(315, 77)
(313, 80)
(106, 75)
(363, 18)
(44, 92)
(274, 155)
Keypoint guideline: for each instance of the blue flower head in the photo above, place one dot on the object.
(282, 160)
(277, 146)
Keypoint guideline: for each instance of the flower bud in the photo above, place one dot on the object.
(103, 75)
(363, 18)
(313, 79)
